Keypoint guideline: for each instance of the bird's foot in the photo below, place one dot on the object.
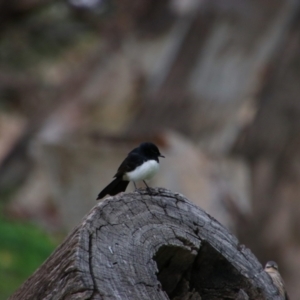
(151, 191)
(139, 190)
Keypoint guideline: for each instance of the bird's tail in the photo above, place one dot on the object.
(116, 186)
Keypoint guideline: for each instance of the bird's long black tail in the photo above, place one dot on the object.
(116, 186)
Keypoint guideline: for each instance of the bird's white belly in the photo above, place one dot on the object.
(146, 171)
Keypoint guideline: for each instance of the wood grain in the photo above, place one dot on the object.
(149, 246)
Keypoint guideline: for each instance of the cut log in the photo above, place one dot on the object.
(143, 245)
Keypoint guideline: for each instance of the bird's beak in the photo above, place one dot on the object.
(161, 156)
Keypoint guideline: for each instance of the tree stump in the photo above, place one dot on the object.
(143, 245)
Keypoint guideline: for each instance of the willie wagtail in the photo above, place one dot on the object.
(140, 164)
(272, 269)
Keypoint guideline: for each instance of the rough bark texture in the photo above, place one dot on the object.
(149, 246)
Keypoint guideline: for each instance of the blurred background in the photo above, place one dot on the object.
(215, 84)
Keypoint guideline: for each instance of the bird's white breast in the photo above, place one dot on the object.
(145, 171)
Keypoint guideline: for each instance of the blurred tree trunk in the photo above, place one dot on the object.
(214, 63)
(271, 144)
(141, 246)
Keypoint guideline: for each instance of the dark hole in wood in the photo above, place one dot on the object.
(185, 274)
(173, 263)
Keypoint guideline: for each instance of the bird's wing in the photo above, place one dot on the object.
(130, 163)
(135, 150)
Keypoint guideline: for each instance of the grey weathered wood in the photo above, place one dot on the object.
(141, 246)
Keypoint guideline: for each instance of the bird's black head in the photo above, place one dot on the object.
(271, 265)
(150, 150)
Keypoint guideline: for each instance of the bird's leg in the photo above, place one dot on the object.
(136, 189)
(147, 187)
(134, 185)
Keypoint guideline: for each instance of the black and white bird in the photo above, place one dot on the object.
(141, 163)
(272, 269)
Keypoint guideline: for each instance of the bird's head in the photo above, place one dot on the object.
(271, 265)
(150, 149)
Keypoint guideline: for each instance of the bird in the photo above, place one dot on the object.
(271, 268)
(141, 163)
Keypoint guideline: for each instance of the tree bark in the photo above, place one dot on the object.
(143, 245)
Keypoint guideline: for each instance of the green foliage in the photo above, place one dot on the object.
(23, 248)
